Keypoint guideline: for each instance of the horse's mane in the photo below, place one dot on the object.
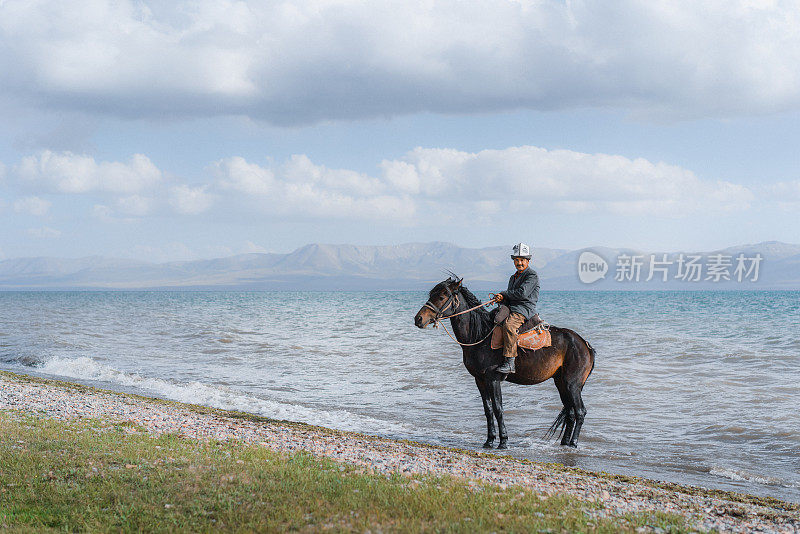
(451, 278)
(472, 301)
(480, 320)
(438, 288)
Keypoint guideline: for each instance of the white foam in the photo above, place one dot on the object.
(219, 397)
(743, 476)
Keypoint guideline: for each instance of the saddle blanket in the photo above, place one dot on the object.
(530, 340)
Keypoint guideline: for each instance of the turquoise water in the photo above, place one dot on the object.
(693, 387)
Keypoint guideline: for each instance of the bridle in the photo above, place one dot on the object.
(453, 301)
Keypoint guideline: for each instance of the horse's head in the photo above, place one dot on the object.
(440, 299)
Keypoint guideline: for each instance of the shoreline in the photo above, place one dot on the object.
(617, 495)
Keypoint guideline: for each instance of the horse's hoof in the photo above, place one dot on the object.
(573, 445)
(503, 445)
(488, 444)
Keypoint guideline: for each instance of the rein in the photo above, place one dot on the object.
(469, 310)
(466, 344)
(453, 300)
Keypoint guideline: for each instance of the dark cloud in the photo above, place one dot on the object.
(303, 62)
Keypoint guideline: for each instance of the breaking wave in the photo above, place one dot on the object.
(223, 397)
(741, 475)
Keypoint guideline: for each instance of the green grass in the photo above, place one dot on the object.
(780, 508)
(90, 476)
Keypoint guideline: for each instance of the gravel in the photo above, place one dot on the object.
(705, 510)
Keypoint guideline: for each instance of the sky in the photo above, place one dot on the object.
(181, 130)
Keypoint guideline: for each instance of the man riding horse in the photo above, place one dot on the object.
(518, 304)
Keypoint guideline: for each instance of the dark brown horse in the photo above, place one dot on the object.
(568, 361)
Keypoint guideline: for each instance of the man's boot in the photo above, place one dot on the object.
(507, 367)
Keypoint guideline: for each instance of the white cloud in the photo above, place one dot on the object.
(786, 191)
(568, 180)
(437, 182)
(299, 188)
(74, 173)
(300, 170)
(190, 200)
(401, 175)
(44, 232)
(238, 175)
(786, 195)
(444, 182)
(135, 205)
(305, 61)
(32, 205)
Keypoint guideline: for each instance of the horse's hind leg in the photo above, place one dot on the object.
(487, 409)
(579, 409)
(566, 400)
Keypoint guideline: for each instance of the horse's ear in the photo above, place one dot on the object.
(460, 280)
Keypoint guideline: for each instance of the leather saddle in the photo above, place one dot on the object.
(533, 334)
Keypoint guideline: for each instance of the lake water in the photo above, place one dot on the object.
(694, 387)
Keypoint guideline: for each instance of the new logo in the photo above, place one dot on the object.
(591, 267)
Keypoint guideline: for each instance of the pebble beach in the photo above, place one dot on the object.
(705, 510)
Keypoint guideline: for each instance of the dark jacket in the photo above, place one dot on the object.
(522, 293)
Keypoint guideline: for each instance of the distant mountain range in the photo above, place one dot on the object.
(412, 266)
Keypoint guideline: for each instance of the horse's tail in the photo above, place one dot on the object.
(591, 349)
(558, 424)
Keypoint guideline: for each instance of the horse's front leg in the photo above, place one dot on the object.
(487, 409)
(497, 405)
